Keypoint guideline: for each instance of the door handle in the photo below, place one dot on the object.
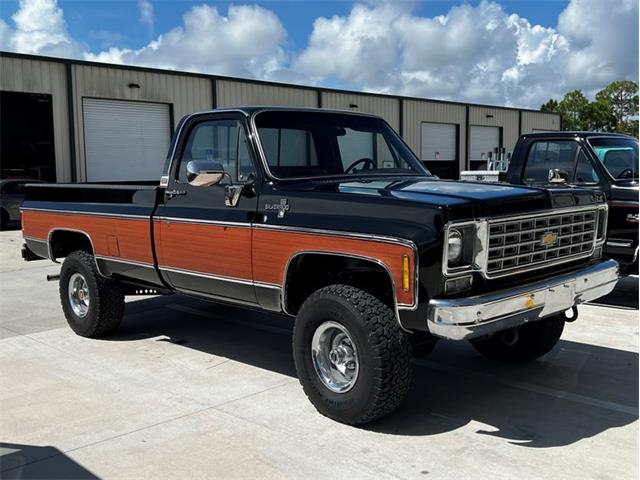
(174, 193)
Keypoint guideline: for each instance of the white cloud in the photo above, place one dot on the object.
(40, 28)
(604, 42)
(478, 53)
(147, 17)
(360, 49)
(246, 42)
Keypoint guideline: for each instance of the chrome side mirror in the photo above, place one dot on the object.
(204, 173)
(557, 175)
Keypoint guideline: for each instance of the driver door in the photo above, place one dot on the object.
(204, 246)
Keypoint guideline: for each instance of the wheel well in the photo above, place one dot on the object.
(309, 272)
(64, 242)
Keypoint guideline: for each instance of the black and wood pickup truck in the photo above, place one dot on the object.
(328, 217)
(589, 160)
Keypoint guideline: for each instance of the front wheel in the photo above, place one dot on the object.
(93, 305)
(524, 343)
(352, 358)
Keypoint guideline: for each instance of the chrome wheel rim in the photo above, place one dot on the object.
(79, 295)
(335, 357)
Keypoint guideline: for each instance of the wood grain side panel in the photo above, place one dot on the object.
(133, 235)
(206, 248)
(273, 248)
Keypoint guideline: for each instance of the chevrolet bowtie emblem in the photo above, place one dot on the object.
(549, 238)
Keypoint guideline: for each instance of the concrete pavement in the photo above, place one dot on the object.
(190, 389)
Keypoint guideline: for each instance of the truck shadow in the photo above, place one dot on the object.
(38, 462)
(624, 295)
(575, 392)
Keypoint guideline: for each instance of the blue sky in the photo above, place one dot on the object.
(514, 52)
(87, 19)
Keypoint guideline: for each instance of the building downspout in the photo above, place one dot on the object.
(72, 124)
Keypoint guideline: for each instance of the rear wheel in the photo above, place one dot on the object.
(352, 358)
(524, 343)
(93, 305)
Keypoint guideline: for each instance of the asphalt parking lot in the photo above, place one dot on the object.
(188, 389)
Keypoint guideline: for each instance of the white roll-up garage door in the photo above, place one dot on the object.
(125, 140)
(482, 141)
(438, 141)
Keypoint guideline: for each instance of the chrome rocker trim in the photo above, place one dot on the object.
(465, 318)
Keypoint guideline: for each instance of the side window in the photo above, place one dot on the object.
(288, 147)
(222, 141)
(245, 164)
(384, 156)
(355, 145)
(544, 156)
(585, 173)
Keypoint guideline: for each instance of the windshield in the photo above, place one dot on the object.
(618, 155)
(311, 144)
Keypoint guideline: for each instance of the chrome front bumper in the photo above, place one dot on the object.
(466, 318)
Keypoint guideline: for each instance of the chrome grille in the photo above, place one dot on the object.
(539, 241)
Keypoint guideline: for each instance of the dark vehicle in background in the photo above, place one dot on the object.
(598, 161)
(328, 217)
(11, 197)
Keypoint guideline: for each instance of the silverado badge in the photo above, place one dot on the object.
(548, 239)
(282, 207)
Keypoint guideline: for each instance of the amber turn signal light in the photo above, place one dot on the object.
(405, 273)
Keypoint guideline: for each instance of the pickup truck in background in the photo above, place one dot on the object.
(328, 217)
(593, 160)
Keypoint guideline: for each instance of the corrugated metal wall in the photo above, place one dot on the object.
(508, 120)
(185, 94)
(35, 76)
(416, 112)
(385, 107)
(188, 93)
(539, 121)
(238, 93)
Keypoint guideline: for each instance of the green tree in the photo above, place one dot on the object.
(550, 107)
(615, 109)
(598, 116)
(630, 127)
(622, 95)
(574, 109)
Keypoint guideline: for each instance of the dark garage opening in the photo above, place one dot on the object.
(26, 136)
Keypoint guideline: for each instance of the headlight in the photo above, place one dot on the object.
(454, 249)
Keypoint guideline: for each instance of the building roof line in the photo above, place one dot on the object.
(134, 68)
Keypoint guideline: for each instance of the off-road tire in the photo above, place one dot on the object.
(106, 307)
(535, 339)
(384, 354)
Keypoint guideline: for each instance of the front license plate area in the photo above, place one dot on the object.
(559, 298)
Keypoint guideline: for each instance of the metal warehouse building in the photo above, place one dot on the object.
(68, 120)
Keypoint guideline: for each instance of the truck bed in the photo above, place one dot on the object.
(115, 218)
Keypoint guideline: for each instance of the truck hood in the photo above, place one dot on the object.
(625, 192)
(463, 199)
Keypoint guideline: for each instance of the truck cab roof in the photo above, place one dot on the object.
(574, 134)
